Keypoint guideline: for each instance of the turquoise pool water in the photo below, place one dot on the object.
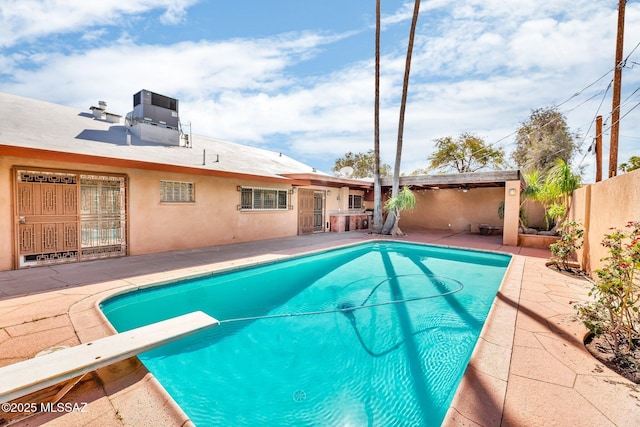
(324, 340)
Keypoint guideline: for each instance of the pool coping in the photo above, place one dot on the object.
(490, 360)
(489, 345)
(529, 366)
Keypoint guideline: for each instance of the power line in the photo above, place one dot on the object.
(576, 94)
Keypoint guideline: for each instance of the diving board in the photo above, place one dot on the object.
(29, 376)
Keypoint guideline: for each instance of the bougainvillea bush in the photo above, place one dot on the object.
(570, 241)
(615, 310)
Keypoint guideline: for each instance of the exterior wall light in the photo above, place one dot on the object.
(512, 191)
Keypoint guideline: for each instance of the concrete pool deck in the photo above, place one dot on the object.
(529, 367)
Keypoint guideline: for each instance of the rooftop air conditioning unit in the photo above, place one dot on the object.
(150, 107)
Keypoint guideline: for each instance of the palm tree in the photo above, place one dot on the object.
(377, 188)
(390, 222)
(553, 192)
(541, 191)
(565, 182)
(405, 200)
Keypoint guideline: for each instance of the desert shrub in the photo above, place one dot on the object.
(616, 292)
(570, 241)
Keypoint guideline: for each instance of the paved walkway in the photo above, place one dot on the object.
(529, 367)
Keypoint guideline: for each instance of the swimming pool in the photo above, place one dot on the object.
(323, 339)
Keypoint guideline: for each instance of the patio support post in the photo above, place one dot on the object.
(511, 213)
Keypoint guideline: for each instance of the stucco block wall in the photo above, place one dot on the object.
(213, 219)
(436, 209)
(6, 214)
(6, 187)
(157, 227)
(534, 214)
(600, 206)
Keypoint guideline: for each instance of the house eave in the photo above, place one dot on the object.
(51, 155)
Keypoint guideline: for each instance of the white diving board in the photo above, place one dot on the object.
(26, 377)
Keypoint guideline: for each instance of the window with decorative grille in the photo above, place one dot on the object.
(263, 199)
(177, 192)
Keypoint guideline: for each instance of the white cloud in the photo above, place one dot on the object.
(479, 66)
(204, 69)
(28, 19)
(176, 12)
(94, 35)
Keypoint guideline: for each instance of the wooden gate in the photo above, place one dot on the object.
(60, 217)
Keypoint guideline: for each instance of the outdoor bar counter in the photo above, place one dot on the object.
(349, 221)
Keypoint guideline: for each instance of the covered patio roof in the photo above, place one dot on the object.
(331, 181)
(457, 180)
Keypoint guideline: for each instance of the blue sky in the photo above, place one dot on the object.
(297, 76)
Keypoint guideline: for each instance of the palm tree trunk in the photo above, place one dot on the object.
(395, 230)
(388, 225)
(377, 188)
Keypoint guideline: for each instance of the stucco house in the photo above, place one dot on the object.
(84, 185)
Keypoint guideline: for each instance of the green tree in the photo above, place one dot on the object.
(542, 139)
(466, 153)
(419, 172)
(631, 165)
(405, 200)
(363, 165)
(395, 188)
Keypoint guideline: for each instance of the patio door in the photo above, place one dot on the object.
(102, 216)
(310, 211)
(65, 217)
(318, 212)
(305, 211)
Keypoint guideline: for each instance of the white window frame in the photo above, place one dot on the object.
(352, 199)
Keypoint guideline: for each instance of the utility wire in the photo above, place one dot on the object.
(576, 94)
(624, 62)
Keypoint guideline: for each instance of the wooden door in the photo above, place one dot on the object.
(305, 211)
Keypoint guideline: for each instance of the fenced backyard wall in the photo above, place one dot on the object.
(452, 209)
(601, 206)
